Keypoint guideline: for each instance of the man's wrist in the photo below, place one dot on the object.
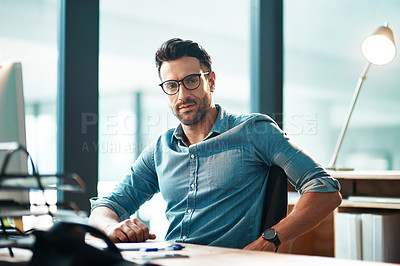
(272, 237)
(266, 245)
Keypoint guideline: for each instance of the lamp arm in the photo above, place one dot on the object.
(332, 163)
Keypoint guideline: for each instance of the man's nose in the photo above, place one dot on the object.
(183, 92)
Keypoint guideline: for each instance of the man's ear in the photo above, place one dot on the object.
(211, 81)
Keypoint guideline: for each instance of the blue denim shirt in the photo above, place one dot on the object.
(213, 188)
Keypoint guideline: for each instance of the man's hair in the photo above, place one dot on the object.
(176, 48)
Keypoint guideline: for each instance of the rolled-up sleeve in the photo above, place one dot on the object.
(303, 172)
(104, 202)
(318, 184)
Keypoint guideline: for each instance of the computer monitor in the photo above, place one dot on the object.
(12, 125)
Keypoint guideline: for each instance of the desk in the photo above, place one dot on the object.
(371, 184)
(209, 256)
(206, 255)
(21, 256)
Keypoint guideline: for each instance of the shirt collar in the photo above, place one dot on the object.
(219, 127)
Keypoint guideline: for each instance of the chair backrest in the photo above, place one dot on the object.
(275, 202)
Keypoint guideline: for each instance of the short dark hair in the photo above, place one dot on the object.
(176, 48)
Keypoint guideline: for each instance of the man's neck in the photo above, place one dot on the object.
(196, 133)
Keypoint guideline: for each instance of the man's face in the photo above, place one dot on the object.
(189, 106)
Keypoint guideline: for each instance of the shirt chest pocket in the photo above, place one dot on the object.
(225, 168)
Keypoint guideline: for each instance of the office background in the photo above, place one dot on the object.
(316, 75)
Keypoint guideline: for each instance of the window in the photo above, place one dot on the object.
(322, 64)
(29, 35)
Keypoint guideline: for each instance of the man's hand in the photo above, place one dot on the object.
(261, 244)
(131, 230)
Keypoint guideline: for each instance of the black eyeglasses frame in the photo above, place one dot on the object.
(181, 82)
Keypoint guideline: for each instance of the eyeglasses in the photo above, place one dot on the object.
(190, 82)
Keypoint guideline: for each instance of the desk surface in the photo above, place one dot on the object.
(206, 255)
(366, 175)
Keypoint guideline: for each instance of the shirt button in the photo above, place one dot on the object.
(189, 211)
(192, 156)
(192, 186)
(184, 237)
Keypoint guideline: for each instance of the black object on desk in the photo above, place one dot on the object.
(64, 244)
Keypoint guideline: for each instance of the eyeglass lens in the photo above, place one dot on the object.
(190, 82)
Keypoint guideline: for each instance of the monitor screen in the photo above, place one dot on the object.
(12, 125)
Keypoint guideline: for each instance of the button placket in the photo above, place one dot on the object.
(193, 165)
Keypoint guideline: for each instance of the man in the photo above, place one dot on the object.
(212, 169)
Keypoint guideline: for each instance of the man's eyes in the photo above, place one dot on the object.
(170, 86)
(191, 80)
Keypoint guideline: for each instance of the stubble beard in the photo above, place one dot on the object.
(192, 118)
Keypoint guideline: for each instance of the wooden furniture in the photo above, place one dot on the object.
(380, 184)
(206, 255)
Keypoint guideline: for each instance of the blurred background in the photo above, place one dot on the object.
(322, 63)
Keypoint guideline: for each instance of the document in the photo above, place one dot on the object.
(143, 246)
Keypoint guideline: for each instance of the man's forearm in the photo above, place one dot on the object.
(311, 209)
(102, 217)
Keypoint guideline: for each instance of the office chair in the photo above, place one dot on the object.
(276, 198)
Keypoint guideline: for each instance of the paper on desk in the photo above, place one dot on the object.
(149, 244)
(142, 245)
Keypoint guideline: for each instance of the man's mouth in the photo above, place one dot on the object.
(187, 107)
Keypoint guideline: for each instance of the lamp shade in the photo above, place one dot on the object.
(379, 48)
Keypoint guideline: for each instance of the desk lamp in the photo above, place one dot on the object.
(377, 49)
